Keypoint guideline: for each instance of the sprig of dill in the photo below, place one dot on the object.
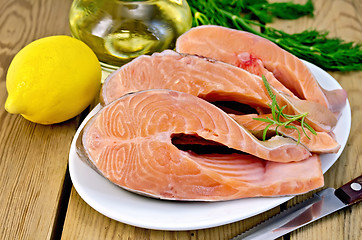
(253, 16)
(265, 11)
(278, 115)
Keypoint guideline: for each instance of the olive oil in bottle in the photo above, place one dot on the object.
(119, 31)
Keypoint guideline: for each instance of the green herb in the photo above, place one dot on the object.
(277, 113)
(265, 11)
(252, 16)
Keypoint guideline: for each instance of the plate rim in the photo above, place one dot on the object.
(73, 157)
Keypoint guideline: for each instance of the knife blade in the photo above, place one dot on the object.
(321, 204)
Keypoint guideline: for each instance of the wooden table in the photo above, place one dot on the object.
(37, 200)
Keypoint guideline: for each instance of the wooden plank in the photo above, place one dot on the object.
(83, 222)
(342, 19)
(33, 158)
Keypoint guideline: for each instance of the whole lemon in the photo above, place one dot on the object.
(52, 79)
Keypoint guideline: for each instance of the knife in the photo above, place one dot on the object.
(319, 205)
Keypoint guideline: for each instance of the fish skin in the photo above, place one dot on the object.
(230, 45)
(209, 79)
(129, 142)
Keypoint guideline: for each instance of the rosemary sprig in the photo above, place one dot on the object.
(252, 16)
(278, 115)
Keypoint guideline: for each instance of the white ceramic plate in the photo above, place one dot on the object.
(121, 205)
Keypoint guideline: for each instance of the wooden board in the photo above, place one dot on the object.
(33, 158)
(83, 222)
(34, 184)
(342, 19)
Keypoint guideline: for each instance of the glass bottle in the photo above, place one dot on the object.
(119, 31)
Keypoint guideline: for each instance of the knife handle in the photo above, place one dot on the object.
(350, 192)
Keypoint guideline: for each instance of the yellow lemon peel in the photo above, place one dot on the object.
(52, 79)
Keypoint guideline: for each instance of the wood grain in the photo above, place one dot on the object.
(33, 158)
(342, 19)
(23, 21)
(92, 225)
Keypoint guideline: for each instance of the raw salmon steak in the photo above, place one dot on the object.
(129, 141)
(208, 79)
(322, 142)
(247, 50)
